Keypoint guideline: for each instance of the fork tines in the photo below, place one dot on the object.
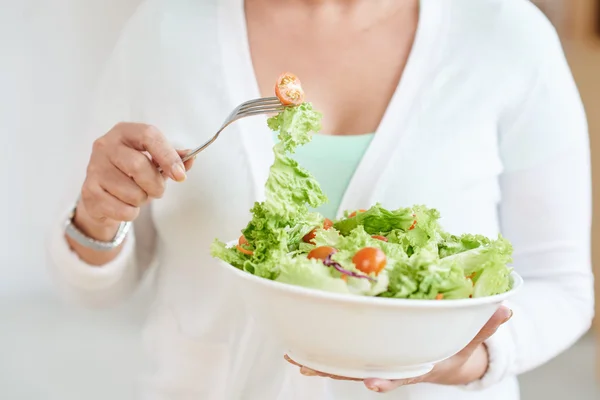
(260, 106)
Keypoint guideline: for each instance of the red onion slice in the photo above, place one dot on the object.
(330, 263)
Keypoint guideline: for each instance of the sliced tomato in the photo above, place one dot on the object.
(321, 253)
(379, 237)
(308, 238)
(370, 260)
(242, 241)
(243, 250)
(353, 214)
(288, 89)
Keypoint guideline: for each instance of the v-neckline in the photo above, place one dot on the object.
(243, 85)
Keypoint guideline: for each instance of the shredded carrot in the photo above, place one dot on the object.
(379, 237)
(356, 212)
(345, 278)
(440, 296)
(472, 278)
(243, 250)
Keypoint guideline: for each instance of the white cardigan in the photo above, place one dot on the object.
(486, 125)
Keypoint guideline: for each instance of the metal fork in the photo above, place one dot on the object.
(265, 105)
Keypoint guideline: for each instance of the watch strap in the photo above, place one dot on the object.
(81, 238)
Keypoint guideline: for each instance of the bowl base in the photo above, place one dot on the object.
(411, 371)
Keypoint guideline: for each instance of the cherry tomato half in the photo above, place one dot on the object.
(379, 237)
(242, 241)
(243, 250)
(321, 253)
(308, 238)
(370, 259)
(288, 89)
(356, 212)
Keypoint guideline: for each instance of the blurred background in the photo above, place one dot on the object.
(51, 52)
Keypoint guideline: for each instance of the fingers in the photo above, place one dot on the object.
(501, 316)
(137, 166)
(123, 188)
(310, 372)
(384, 385)
(100, 205)
(189, 163)
(147, 138)
(288, 359)
(123, 174)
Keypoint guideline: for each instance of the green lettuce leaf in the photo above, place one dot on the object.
(279, 223)
(379, 221)
(290, 189)
(295, 126)
(310, 274)
(423, 276)
(457, 244)
(486, 265)
(231, 256)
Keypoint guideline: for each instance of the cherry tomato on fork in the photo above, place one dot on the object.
(370, 259)
(289, 89)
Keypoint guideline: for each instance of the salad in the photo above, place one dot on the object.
(402, 253)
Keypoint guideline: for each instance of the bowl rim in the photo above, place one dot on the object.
(517, 284)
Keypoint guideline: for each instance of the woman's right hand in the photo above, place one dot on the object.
(122, 175)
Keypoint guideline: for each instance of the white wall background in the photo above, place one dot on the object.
(51, 52)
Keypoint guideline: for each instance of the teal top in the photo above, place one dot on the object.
(332, 159)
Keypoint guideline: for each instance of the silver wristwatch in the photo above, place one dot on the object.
(74, 233)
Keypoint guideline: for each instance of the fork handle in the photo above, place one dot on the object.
(194, 152)
(197, 150)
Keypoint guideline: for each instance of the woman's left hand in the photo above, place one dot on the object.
(469, 365)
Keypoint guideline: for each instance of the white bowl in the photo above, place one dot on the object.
(362, 337)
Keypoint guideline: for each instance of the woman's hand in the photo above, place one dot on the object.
(122, 175)
(469, 365)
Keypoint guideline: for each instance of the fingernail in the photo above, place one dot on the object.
(509, 317)
(178, 172)
(373, 388)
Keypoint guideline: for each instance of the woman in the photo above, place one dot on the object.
(474, 112)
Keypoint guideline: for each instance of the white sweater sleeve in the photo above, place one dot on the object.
(545, 212)
(110, 283)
